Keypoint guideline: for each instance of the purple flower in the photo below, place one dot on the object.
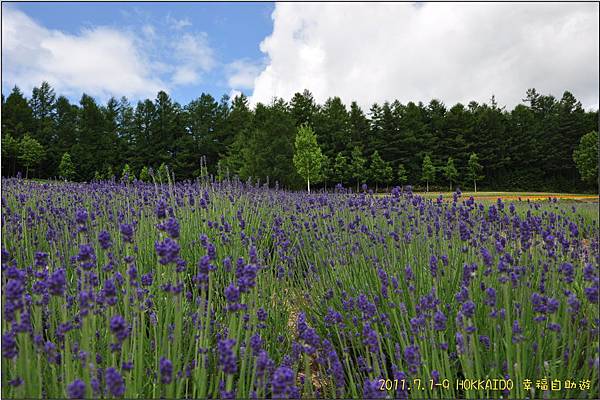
(433, 266)
(485, 341)
(166, 370)
(370, 339)
(261, 314)
(232, 293)
(14, 289)
(487, 257)
(161, 209)
(104, 240)
(412, 358)
(227, 358)
(9, 345)
(119, 327)
(171, 226)
(439, 321)
(127, 232)
(81, 216)
(76, 389)
(282, 384)
(86, 252)
(567, 270)
(371, 390)
(246, 277)
(167, 250)
(592, 293)
(517, 332)
(256, 343)
(114, 382)
(147, 279)
(574, 304)
(490, 297)
(468, 309)
(57, 282)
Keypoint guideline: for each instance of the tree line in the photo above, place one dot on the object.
(530, 147)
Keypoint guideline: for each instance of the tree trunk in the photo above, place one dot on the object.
(475, 185)
(308, 184)
(427, 185)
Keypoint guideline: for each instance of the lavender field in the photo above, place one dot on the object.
(227, 290)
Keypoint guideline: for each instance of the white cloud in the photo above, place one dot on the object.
(185, 75)
(195, 57)
(242, 73)
(454, 52)
(149, 31)
(178, 24)
(233, 93)
(100, 61)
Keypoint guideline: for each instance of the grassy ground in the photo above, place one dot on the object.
(516, 195)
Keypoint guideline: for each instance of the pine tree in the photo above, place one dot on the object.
(428, 171)
(308, 157)
(10, 152)
(66, 169)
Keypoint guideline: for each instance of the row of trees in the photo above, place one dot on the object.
(312, 165)
(527, 148)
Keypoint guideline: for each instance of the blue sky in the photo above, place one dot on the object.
(229, 33)
(364, 52)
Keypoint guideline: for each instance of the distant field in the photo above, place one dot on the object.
(523, 196)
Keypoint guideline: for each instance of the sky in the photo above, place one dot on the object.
(364, 52)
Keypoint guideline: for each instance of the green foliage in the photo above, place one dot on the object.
(341, 169)
(66, 169)
(402, 175)
(163, 173)
(145, 174)
(10, 152)
(586, 157)
(450, 171)
(380, 171)
(31, 152)
(108, 173)
(475, 170)
(530, 147)
(127, 174)
(358, 166)
(308, 158)
(428, 171)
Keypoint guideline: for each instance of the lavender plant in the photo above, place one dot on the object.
(223, 289)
